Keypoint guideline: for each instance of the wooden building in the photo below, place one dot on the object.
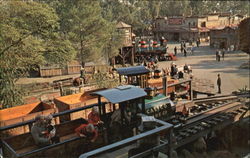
(224, 37)
(244, 35)
(180, 28)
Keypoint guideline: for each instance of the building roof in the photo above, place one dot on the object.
(232, 26)
(134, 70)
(122, 25)
(121, 93)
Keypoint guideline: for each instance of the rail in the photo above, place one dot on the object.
(128, 140)
(54, 115)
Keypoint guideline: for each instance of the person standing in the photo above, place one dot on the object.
(175, 51)
(219, 55)
(219, 83)
(223, 53)
(185, 52)
(192, 50)
(216, 55)
(182, 48)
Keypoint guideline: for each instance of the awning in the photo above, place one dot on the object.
(121, 93)
(135, 70)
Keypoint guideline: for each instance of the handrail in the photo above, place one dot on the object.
(54, 115)
(128, 140)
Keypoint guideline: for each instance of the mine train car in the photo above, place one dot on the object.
(123, 100)
(127, 101)
(147, 51)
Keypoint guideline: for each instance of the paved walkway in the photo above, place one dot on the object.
(205, 66)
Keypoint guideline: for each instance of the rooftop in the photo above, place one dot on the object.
(134, 70)
(122, 25)
(121, 93)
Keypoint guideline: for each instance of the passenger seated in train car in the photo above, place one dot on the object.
(88, 131)
(51, 130)
(117, 123)
(37, 131)
(94, 117)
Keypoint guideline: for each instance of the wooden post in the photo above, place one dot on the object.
(61, 88)
(133, 54)
(165, 87)
(143, 105)
(190, 90)
(171, 143)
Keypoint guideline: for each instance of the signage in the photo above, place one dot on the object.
(175, 21)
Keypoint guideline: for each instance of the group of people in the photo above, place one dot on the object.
(174, 73)
(220, 54)
(184, 48)
(44, 132)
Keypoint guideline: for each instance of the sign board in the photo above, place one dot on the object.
(175, 21)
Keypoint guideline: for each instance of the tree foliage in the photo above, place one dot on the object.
(28, 37)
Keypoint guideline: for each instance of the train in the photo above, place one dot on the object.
(152, 50)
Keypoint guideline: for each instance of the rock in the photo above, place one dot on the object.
(187, 154)
(200, 145)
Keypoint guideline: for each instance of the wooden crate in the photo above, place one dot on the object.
(75, 101)
(23, 113)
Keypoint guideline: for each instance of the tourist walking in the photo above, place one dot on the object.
(219, 83)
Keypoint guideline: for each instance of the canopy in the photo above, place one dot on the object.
(121, 93)
(134, 70)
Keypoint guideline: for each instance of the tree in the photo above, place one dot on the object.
(28, 37)
(82, 22)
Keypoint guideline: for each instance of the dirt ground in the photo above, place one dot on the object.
(205, 66)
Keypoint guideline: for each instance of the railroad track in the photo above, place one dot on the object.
(196, 126)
